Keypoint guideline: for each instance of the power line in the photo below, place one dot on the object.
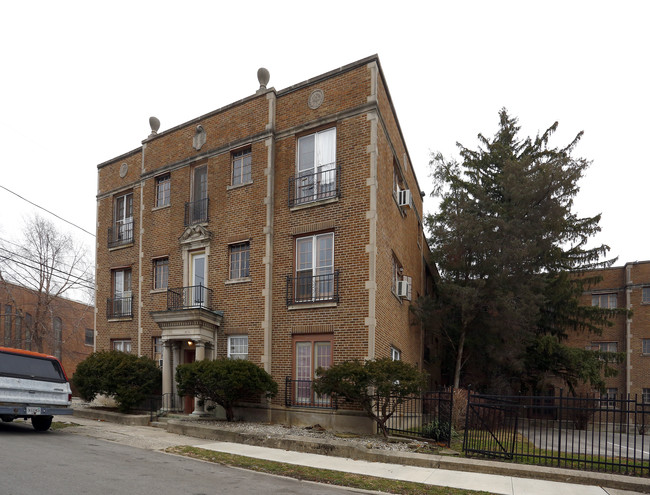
(76, 282)
(68, 274)
(48, 211)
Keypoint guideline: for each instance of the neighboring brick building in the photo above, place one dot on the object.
(285, 228)
(623, 287)
(68, 333)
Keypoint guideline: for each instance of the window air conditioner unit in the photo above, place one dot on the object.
(404, 288)
(404, 198)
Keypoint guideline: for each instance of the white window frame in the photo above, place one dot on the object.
(123, 219)
(156, 350)
(395, 354)
(310, 265)
(242, 165)
(122, 345)
(306, 364)
(316, 165)
(160, 273)
(238, 346)
(239, 260)
(608, 399)
(607, 300)
(163, 190)
(122, 289)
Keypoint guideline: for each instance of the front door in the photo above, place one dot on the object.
(188, 400)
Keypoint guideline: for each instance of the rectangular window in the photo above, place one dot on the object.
(163, 190)
(646, 396)
(316, 166)
(315, 268)
(160, 273)
(123, 220)
(604, 300)
(156, 346)
(196, 211)
(397, 274)
(645, 295)
(395, 354)
(240, 260)
(310, 353)
(122, 345)
(645, 346)
(90, 337)
(606, 346)
(28, 331)
(121, 303)
(238, 346)
(8, 316)
(608, 399)
(241, 167)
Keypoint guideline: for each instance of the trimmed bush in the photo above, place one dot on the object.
(225, 382)
(127, 378)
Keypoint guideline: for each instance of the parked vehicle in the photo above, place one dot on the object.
(32, 385)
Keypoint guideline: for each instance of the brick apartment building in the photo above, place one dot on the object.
(69, 333)
(624, 287)
(284, 228)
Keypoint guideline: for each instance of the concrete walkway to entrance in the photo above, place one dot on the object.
(471, 474)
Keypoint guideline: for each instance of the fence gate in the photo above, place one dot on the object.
(491, 426)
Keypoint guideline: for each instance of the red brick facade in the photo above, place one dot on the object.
(18, 317)
(624, 287)
(345, 217)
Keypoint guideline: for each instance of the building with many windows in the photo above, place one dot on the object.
(623, 287)
(66, 329)
(284, 228)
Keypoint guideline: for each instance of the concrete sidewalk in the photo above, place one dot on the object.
(470, 474)
(497, 484)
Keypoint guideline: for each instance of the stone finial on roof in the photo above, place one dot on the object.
(154, 123)
(263, 77)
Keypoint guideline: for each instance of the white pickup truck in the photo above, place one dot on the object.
(32, 385)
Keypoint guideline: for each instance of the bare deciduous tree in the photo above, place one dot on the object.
(54, 267)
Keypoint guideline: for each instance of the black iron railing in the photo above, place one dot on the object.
(171, 402)
(426, 416)
(303, 289)
(119, 307)
(120, 233)
(196, 212)
(300, 393)
(195, 296)
(584, 432)
(325, 183)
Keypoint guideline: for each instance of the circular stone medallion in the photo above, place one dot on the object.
(124, 168)
(316, 99)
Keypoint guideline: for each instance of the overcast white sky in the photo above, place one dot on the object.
(80, 80)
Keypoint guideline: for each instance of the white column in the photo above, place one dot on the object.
(199, 350)
(167, 370)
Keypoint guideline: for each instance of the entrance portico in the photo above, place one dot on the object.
(187, 334)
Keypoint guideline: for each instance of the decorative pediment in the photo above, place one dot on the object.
(195, 234)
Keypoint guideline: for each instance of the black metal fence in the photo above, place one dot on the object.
(319, 184)
(304, 288)
(585, 432)
(119, 307)
(427, 416)
(196, 212)
(300, 393)
(120, 233)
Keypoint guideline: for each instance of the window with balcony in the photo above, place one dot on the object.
(241, 167)
(163, 190)
(122, 230)
(316, 170)
(315, 279)
(608, 300)
(310, 353)
(160, 273)
(196, 211)
(240, 260)
(238, 346)
(120, 305)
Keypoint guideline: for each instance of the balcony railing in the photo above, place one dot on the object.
(119, 307)
(301, 393)
(315, 186)
(303, 289)
(120, 233)
(196, 212)
(195, 296)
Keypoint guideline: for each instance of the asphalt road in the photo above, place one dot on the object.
(70, 462)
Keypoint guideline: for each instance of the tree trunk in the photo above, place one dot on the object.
(459, 358)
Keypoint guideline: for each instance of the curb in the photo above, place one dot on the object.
(112, 416)
(341, 449)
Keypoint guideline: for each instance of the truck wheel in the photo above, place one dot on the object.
(41, 423)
